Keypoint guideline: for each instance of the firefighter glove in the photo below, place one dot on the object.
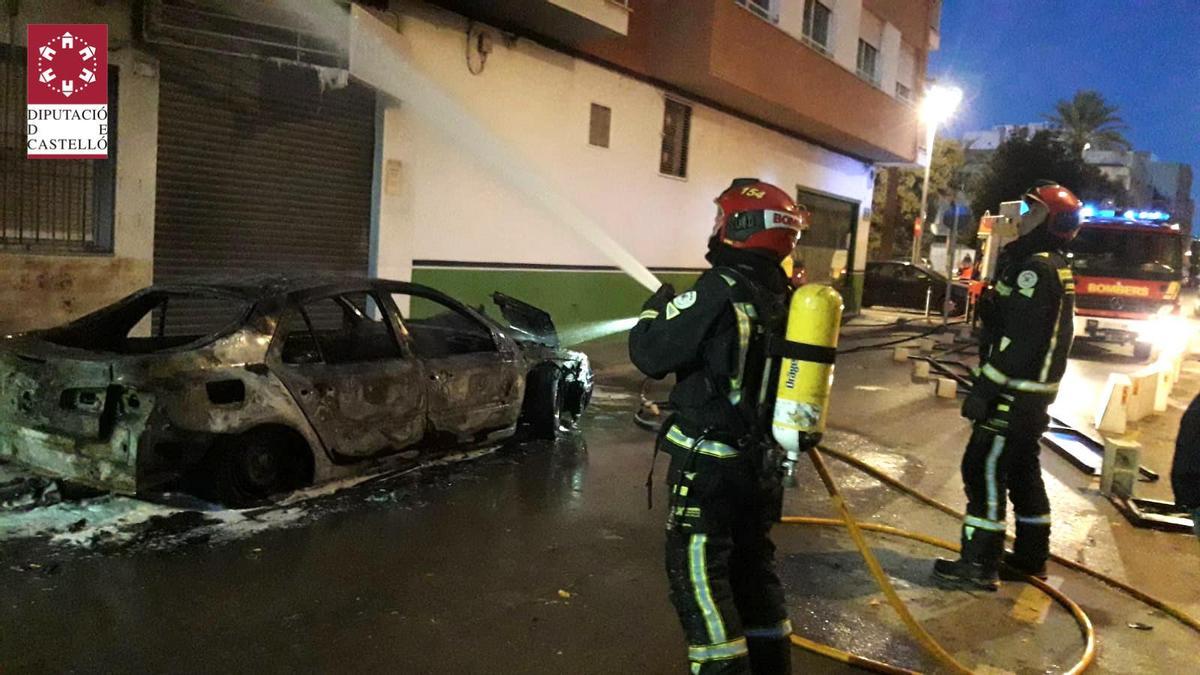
(976, 407)
(979, 402)
(661, 297)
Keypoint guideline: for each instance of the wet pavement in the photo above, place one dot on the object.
(544, 558)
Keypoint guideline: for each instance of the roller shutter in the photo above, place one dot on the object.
(262, 168)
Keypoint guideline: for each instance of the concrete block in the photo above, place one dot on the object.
(925, 345)
(921, 369)
(965, 334)
(1193, 346)
(900, 354)
(946, 388)
(1111, 413)
(1119, 469)
(1162, 390)
(1142, 393)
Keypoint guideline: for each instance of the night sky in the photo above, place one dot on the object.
(1015, 58)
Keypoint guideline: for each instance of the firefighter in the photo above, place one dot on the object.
(1185, 469)
(1027, 326)
(724, 480)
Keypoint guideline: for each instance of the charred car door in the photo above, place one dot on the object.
(473, 374)
(359, 386)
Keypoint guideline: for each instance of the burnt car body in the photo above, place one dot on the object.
(248, 388)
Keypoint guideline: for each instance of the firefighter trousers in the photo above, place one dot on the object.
(1002, 463)
(720, 560)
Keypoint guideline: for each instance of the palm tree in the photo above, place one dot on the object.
(1087, 119)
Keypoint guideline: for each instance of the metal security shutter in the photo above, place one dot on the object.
(261, 169)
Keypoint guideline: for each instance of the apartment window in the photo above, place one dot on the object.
(51, 205)
(767, 9)
(868, 62)
(906, 72)
(816, 24)
(677, 127)
(600, 125)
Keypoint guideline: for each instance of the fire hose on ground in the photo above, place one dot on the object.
(856, 529)
(805, 376)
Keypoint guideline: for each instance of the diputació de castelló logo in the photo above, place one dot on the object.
(67, 91)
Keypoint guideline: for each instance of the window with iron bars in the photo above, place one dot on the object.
(51, 205)
(676, 135)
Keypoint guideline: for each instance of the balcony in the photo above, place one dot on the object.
(719, 51)
(565, 21)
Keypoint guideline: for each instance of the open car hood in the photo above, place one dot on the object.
(532, 324)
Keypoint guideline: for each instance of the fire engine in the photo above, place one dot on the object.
(1128, 273)
(1128, 268)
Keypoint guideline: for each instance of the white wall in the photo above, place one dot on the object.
(847, 21)
(889, 59)
(449, 207)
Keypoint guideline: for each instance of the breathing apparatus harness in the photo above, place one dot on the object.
(757, 372)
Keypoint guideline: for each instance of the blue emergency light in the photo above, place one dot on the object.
(1090, 211)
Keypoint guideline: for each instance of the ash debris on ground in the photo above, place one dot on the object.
(35, 517)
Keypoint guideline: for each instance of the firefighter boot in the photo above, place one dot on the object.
(1030, 552)
(977, 564)
(770, 656)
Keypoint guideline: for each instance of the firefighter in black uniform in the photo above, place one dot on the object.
(725, 480)
(1027, 318)
(1185, 469)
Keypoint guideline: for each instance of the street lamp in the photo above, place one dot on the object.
(939, 104)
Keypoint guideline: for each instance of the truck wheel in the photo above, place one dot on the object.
(543, 402)
(1142, 351)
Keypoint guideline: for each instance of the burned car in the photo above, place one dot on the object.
(246, 389)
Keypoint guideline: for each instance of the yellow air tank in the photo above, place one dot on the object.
(806, 371)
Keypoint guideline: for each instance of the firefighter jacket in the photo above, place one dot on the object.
(710, 338)
(1028, 321)
(1185, 470)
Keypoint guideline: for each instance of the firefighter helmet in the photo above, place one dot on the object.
(758, 215)
(1054, 205)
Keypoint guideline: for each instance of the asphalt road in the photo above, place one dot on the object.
(544, 558)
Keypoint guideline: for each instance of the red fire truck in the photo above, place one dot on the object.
(1128, 272)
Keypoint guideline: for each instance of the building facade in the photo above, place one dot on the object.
(1171, 189)
(1147, 182)
(236, 155)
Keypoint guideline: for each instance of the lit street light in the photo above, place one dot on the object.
(939, 105)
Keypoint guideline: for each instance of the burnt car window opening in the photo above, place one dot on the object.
(154, 320)
(439, 330)
(347, 328)
(1148, 255)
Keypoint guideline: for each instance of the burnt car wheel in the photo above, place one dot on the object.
(246, 470)
(543, 401)
(575, 397)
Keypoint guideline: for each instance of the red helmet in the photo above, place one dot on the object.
(754, 214)
(1054, 205)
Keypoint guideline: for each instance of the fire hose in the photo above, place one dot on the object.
(856, 529)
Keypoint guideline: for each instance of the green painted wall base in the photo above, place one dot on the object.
(853, 294)
(585, 304)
